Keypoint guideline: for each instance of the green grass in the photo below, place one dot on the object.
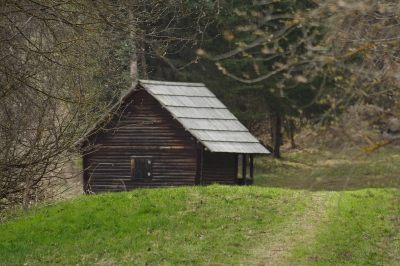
(145, 226)
(362, 228)
(320, 208)
(215, 225)
(324, 170)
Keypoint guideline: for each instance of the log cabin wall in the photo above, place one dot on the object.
(219, 168)
(143, 128)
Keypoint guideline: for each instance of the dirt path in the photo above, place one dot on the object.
(298, 229)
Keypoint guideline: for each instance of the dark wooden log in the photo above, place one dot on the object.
(142, 128)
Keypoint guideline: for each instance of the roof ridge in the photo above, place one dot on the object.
(171, 83)
(221, 130)
(235, 141)
(193, 96)
(197, 107)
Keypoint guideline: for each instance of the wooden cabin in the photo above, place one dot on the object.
(167, 134)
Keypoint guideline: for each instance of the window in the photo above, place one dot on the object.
(141, 167)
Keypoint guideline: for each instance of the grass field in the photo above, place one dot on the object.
(302, 223)
(325, 170)
(215, 225)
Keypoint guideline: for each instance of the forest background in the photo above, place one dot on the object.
(282, 67)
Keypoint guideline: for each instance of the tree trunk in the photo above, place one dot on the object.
(133, 59)
(143, 62)
(276, 134)
(291, 133)
(134, 69)
(1, 187)
(25, 201)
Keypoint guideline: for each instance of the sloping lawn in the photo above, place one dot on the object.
(215, 225)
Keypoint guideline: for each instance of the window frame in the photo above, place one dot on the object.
(137, 163)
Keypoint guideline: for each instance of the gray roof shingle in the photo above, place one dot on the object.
(204, 116)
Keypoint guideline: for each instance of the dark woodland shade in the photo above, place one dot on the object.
(145, 144)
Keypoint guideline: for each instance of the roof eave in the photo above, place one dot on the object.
(143, 84)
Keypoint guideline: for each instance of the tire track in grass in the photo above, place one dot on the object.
(299, 229)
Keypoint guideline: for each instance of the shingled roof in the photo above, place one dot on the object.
(201, 113)
(204, 116)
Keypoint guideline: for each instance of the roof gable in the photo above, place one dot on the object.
(204, 116)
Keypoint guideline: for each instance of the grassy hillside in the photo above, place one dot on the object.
(319, 169)
(215, 225)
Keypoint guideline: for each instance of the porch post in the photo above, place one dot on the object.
(236, 169)
(251, 167)
(244, 170)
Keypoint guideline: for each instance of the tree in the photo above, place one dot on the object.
(314, 56)
(43, 92)
(60, 67)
